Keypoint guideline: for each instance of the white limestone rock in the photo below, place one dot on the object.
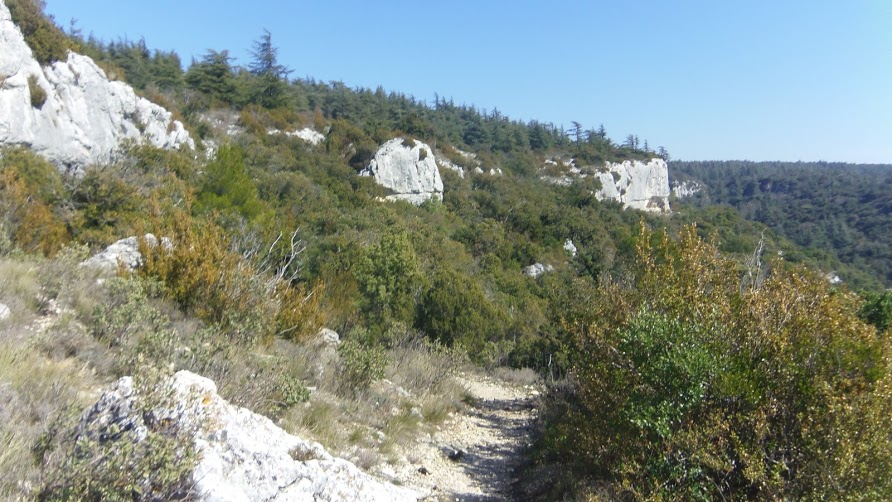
(407, 168)
(537, 269)
(329, 337)
(686, 189)
(570, 248)
(4, 312)
(306, 134)
(242, 456)
(124, 252)
(309, 135)
(636, 185)
(448, 164)
(85, 119)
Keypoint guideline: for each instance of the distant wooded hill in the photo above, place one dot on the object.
(841, 212)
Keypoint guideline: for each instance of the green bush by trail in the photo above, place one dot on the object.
(692, 386)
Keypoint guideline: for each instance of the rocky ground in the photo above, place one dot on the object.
(474, 455)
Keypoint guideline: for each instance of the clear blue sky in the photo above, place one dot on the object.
(707, 79)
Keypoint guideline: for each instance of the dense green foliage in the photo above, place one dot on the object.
(840, 213)
(694, 385)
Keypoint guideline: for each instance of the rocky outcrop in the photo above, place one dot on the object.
(407, 168)
(124, 253)
(311, 136)
(241, 456)
(4, 311)
(537, 269)
(636, 184)
(684, 189)
(570, 248)
(329, 337)
(448, 164)
(85, 118)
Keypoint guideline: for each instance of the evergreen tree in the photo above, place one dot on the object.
(213, 76)
(577, 132)
(271, 83)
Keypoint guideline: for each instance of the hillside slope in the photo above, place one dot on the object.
(841, 214)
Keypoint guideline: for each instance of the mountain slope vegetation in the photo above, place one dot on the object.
(691, 355)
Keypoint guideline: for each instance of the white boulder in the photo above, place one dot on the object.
(85, 119)
(125, 252)
(309, 135)
(448, 164)
(329, 337)
(242, 456)
(636, 184)
(4, 312)
(408, 168)
(537, 269)
(570, 248)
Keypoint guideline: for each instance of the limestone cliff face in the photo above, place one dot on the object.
(408, 171)
(636, 184)
(85, 119)
(685, 189)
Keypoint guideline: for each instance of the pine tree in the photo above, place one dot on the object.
(271, 78)
(213, 76)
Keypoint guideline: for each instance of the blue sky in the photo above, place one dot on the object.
(755, 79)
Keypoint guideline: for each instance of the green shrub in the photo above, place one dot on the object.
(389, 278)
(293, 391)
(360, 365)
(61, 275)
(28, 188)
(877, 310)
(227, 187)
(455, 311)
(692, 387)
(38, 95)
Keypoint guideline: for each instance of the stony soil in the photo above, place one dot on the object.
(474, 455)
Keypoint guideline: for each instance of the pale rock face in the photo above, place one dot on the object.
(410, 172)
(306, 134)
(243, 456)
(448, 164)
(537, 269)
(329, 337)
(686, 189)
(309, 135)
(569, 247)
(636, 185)
(86, 118)
(4, 312)
(124, 252)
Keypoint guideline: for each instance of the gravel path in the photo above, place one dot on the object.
(473, 457)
